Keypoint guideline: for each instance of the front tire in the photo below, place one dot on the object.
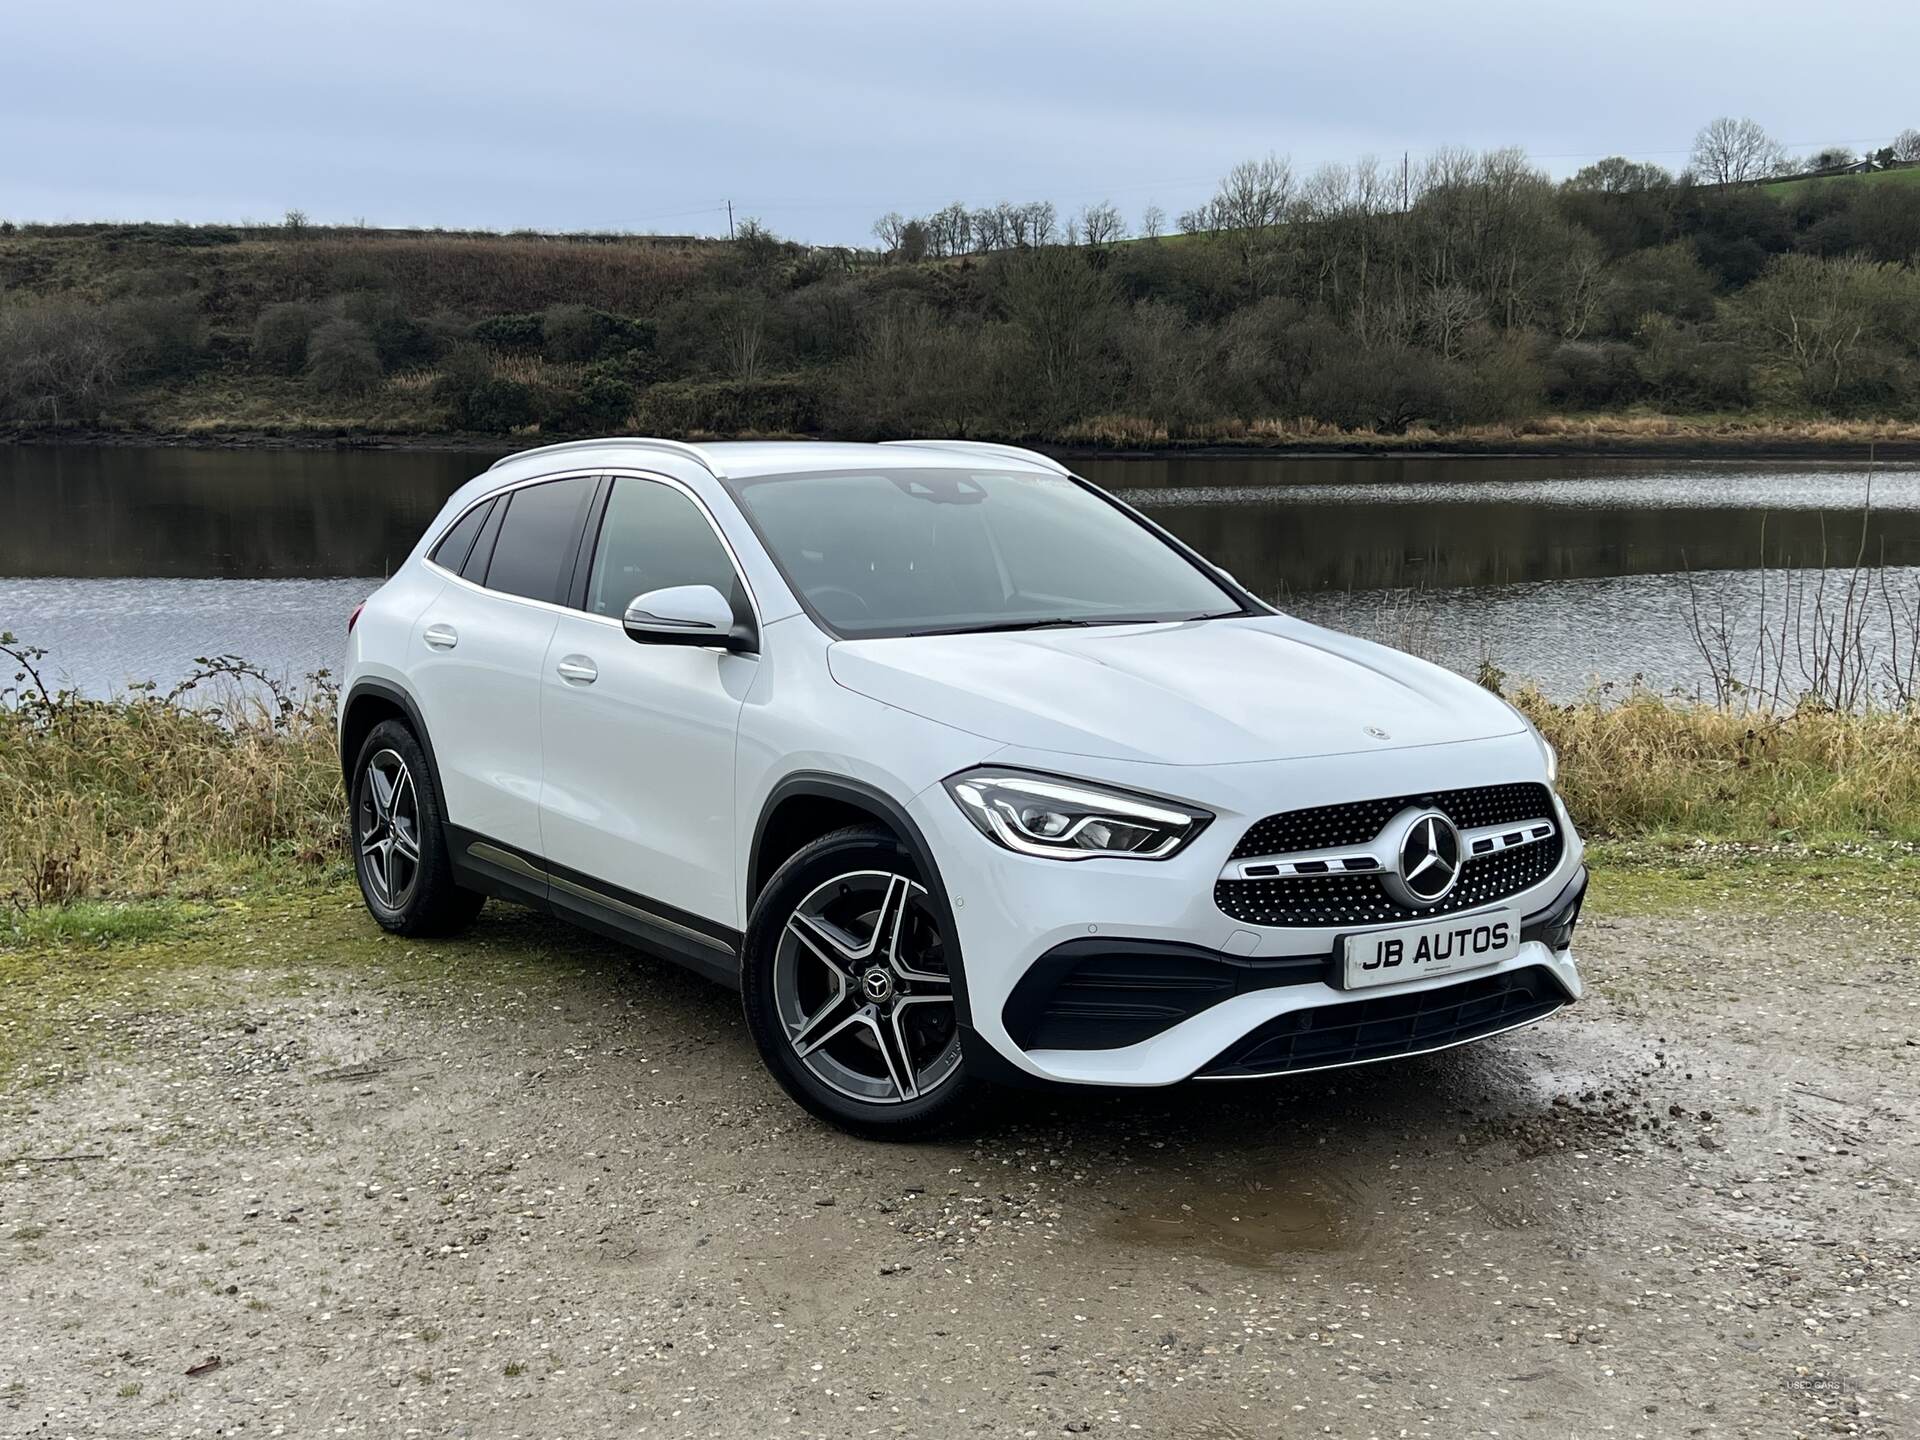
(848, 987)
(400, 839)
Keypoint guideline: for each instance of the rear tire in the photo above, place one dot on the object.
(847, 983)
(399, 839)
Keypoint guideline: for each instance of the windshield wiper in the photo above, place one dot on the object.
(1003, 625)
(1078, 622)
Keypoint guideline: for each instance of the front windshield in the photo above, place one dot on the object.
(916, 552)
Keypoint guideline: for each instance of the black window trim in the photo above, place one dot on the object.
(448, 563)
(1249, 603)
(481, 555)
(604, 475)
(596, 523)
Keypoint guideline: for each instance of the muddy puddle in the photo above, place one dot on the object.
(1254, 1224)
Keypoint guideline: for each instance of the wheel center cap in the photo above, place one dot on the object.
(877, 985)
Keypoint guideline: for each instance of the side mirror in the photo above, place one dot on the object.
(687, 615)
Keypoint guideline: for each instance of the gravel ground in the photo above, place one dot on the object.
(282, 1176)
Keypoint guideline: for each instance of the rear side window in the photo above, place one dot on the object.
(534, 552)
(454, 547)
(476, 567)
(653, 537)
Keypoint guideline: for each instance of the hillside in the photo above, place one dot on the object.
(1789, 188)
(1494, 302)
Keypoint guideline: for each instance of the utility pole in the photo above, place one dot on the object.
(729, 220)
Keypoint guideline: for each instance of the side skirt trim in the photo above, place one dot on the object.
(621, 915)
(506, 860)
(635, 912)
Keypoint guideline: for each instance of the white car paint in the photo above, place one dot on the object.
(655, 777)
(1205, 692)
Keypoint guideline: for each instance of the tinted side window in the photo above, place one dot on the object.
(533, 555)
(457, 543)
(653, 537)
(476, 567)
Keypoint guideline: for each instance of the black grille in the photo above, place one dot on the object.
(1351, 1031)
(1359, 821)
(1335, 900)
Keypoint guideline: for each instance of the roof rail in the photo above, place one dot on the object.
(983, 447)
(615, 442)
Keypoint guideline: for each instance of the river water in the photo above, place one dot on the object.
(128, 563)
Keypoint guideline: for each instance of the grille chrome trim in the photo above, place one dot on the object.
(1515, 836)
(1376, 857)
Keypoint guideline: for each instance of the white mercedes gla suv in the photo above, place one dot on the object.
(960, 769)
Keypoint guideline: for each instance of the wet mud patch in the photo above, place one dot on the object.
(1250, 1223)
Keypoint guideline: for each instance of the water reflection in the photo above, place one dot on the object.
(121, 511)
(1562, 569)
(1287, 527)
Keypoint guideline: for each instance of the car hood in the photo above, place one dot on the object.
(1214, 692)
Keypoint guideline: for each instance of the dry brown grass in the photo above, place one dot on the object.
(1648, 767)
(149, 794)
(1622, 431)
(490, 274)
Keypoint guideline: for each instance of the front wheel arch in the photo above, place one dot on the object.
(828, 795)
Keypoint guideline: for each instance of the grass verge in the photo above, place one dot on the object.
(1649, 768)
(153, 797)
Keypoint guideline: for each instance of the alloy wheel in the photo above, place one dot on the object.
(389, 829)
(862, 988)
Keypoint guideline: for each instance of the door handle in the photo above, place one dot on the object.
(578, 670)
(441, 637)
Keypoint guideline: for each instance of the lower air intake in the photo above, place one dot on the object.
(1351, 1032)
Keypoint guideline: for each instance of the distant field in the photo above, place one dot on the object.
(1783, 189)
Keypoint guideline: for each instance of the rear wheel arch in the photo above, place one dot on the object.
(367, 704)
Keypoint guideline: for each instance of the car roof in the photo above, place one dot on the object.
(756, 459)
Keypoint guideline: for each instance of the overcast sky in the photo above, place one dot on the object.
(593, 114)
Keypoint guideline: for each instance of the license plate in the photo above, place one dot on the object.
(1440, 947)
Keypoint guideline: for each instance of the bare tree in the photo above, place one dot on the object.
(1101, 224)
(1255, 195)
(1584, 278)
(888, 229)
(1447, 314)
(1906, 146)
(1823, 318)
(743, 336)
(950, 231)
(992, 228)
(1734, 152)
(1153, 222)
(1060, 306)
(1040, 222)
(1832, 157)
(58, 360)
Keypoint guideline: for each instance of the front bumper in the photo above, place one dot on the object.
(1212, 985)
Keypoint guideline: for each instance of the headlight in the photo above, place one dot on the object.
(1547, 752)
(1072, 820)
